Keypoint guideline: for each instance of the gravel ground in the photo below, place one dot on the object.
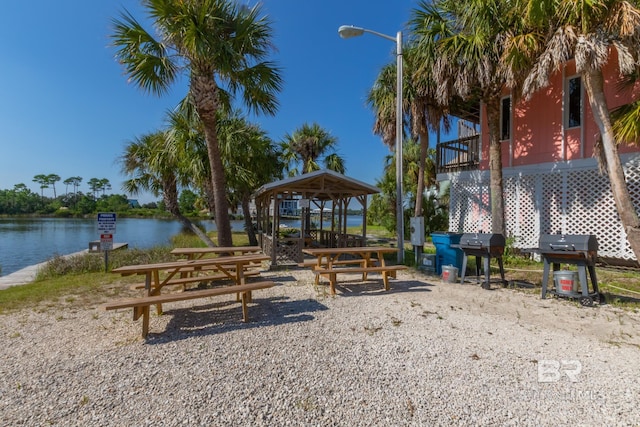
(424, 353)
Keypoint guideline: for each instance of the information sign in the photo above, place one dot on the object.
(107, 222)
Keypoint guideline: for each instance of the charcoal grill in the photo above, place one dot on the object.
(485, 246)
(575, 249)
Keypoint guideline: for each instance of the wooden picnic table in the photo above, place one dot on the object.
(369, 259)
(197, 253)
(232, 266)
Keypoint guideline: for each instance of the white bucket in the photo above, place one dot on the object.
(449, 274)
(566, 281)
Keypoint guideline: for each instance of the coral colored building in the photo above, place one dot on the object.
(551, 179)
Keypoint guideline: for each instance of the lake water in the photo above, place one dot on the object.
(29, 241)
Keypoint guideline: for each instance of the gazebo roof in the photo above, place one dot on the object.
(323, 184)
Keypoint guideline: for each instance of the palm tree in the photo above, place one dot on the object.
(307, 146)
(466, 39)
(417, 169)
(186, 134)
(422, 110)
(382, 99)
(626, 118)
(559, 31)
(244, 146)
(219, 45)
(151, 161)
(383, 204)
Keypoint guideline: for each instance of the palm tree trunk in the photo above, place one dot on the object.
(424, 146)
(495, 166)
(170, 197)
(204, 91)
(593, 82)
(209, 196)
(248, 224)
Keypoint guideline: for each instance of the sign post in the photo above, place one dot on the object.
(106, 229)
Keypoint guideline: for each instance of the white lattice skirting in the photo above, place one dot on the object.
(565, 197)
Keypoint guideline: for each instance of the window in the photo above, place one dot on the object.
(505, 118)
(574, 102)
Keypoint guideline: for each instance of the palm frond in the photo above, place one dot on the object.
(147, 61)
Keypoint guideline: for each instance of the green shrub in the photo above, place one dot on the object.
(94, 262)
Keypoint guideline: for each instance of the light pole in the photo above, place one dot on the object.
(348, 31)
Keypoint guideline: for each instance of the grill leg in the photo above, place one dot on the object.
(594, 280)
(464, 268)
(486, 260)
(501, 265)
(478, 268)
(584, 285)
(545, 278)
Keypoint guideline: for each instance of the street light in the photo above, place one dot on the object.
(348, 31)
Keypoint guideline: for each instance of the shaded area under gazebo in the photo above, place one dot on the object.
(324, 192)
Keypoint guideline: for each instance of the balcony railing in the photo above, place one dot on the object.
(460, 155)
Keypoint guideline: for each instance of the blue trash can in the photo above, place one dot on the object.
(445, 254)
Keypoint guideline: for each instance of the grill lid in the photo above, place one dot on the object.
(482, 240)
(568, 243)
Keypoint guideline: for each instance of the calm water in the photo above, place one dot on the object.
(28, 241)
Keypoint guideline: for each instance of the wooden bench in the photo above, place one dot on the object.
(192, 279)
(314, 263)
(386, 270)
(141, 305)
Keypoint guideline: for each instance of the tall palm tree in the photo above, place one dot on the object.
(466, 38)
(152, 161)
(560, 30)
(423, 112)
(382, 99)
(218, 45)
(309, 145)
(245, 145)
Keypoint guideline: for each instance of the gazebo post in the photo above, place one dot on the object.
(363, 202)
(274, 235)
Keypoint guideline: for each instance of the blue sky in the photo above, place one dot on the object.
(66, 107)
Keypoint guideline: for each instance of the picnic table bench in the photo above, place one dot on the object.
(367, 259)
(180, 272)
(184, 281)
(141, 305)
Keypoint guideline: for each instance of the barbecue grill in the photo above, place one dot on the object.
(485, 246)
(576, 249)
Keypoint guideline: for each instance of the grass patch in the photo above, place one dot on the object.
(72, 289)
(190, 240)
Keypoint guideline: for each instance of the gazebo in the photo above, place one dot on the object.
(324, 192)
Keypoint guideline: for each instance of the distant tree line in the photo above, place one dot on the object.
(22, 201)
